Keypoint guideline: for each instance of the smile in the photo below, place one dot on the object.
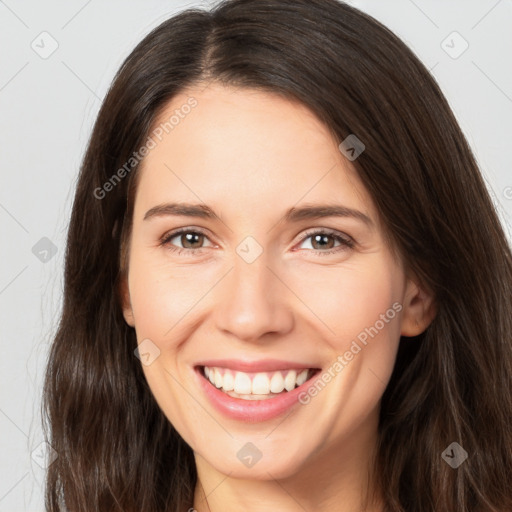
(256, 386)
(253, 392)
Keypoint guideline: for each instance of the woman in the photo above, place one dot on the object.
(286, 286)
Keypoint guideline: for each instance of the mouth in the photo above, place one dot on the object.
(256, 385)
(254, 396)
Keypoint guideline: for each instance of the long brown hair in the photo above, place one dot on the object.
(116, 449)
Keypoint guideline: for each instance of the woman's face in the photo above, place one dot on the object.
(262, 290)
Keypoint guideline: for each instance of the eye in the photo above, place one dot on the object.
(326, 239)
(323, 241)
(191, 240)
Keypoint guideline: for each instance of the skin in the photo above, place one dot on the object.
(251, 155)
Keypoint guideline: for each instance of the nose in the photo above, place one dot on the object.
(253, 301)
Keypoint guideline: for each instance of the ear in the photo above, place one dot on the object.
(125, 300)
(419, 309)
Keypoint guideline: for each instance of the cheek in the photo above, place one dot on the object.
(162, 295)
(359, 307)
(350, 298)
(363, 312)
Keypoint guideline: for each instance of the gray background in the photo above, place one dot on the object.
(48, 104)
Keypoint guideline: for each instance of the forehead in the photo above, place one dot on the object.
(246, 148)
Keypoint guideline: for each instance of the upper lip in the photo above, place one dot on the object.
(262, 365)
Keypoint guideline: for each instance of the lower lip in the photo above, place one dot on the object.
(251, 410)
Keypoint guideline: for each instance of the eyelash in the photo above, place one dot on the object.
(346, 242)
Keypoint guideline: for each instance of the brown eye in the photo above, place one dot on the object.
(320, 241)
(191, 240)
(184, 240)
(323, 242)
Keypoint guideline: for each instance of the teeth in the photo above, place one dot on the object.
(289, 380)
(228, 383)
(264, 383)
(260, 384)
(242, 384)
(218, 379)
(302, 377)
(277, 383)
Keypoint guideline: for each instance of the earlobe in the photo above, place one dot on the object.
(126, 303)
(128, 316)
(419, 309)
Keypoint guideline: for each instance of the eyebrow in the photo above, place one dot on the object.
(306, 212)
